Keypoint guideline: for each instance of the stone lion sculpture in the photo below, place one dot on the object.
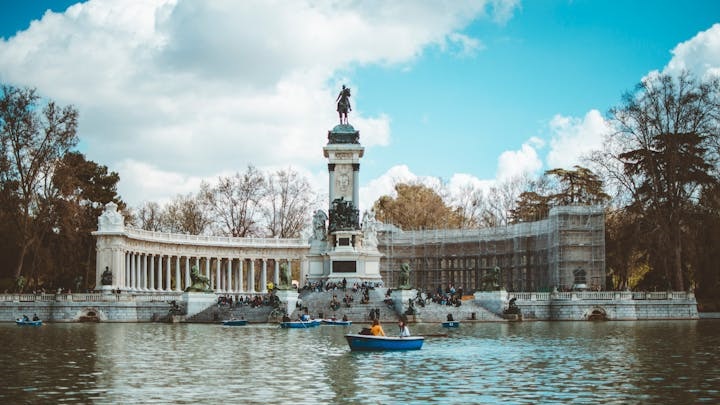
(200, 283)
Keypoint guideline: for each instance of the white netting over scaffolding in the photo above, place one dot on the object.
(565, 251)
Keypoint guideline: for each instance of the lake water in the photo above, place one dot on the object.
(647, 362)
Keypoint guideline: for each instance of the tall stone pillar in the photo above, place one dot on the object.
(168, 279)
(263, 276)
(230, 287)
(240, 275)
(276, 274)
(188, 282)
(136, 280)
(251, 276)
(218, 279)
(178, 280)
(160, 272)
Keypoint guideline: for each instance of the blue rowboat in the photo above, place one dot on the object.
(300, 324)
(451, 324)
(336, 322)
(235, 322)
(20, 322)
(373, 343)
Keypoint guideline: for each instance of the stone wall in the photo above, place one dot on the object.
(609, 305)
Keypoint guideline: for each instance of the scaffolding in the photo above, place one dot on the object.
(564, 251)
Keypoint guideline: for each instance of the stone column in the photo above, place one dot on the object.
(276, 276)
(145, 269)
(251, 276)
(331, 179)
(136, 280)
(356, 185)
(160, 273)
(240, 275)
(229, 276)
(207, 270)
(218, 280)
(178, 282)
(188, 282)
(263, 276)
(128, 278)
(152, 273)
(168, 279)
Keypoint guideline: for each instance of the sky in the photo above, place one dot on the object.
(174, 92)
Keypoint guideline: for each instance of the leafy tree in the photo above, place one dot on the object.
(416, 207)
(660, 161)
(530, 207)
(34, 136)
(579, 186)
(80, 190)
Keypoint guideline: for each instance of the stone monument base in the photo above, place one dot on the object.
(401, 298)
(197, 302)
(493, 301)
(289, 299)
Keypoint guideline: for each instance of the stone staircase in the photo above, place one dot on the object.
(318, 306)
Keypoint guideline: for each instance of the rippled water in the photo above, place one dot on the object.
(518, 363)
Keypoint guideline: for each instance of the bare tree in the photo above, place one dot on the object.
(234, 203)
(289, 202)
(149, 216)
(186, 214)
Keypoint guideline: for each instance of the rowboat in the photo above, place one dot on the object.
(372, 343)
(235, 322)
(451, 324)
(336, 322)
(21, 322)
(300, 324)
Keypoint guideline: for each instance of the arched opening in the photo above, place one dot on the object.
(597, 314)
(89, 315)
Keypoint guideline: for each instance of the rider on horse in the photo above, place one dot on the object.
(343, 104)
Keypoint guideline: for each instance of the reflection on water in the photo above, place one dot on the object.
(517, 363)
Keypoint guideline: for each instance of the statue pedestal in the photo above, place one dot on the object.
(107, 289)
(289, 299)
(400, 299)
(197, 302)
(493, 301)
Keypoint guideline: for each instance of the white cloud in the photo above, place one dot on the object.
(572, 138)
(700, 54)
(385, 185)
(512, 164)
(173, 91)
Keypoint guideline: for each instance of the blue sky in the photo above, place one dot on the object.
(173, 92)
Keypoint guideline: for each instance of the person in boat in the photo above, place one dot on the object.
(305, 317)
(25, 318)
(377, 329)
(35, 317)
(450, 318)
(286, 318)
(404, 330)
(345, 318)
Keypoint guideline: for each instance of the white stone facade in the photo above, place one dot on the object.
(144, 261)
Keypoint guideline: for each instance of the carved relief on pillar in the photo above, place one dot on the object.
(343, 181)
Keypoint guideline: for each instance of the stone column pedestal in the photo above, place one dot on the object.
(197, 302)
(400, 299)
(493, 301)
(289, 299)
